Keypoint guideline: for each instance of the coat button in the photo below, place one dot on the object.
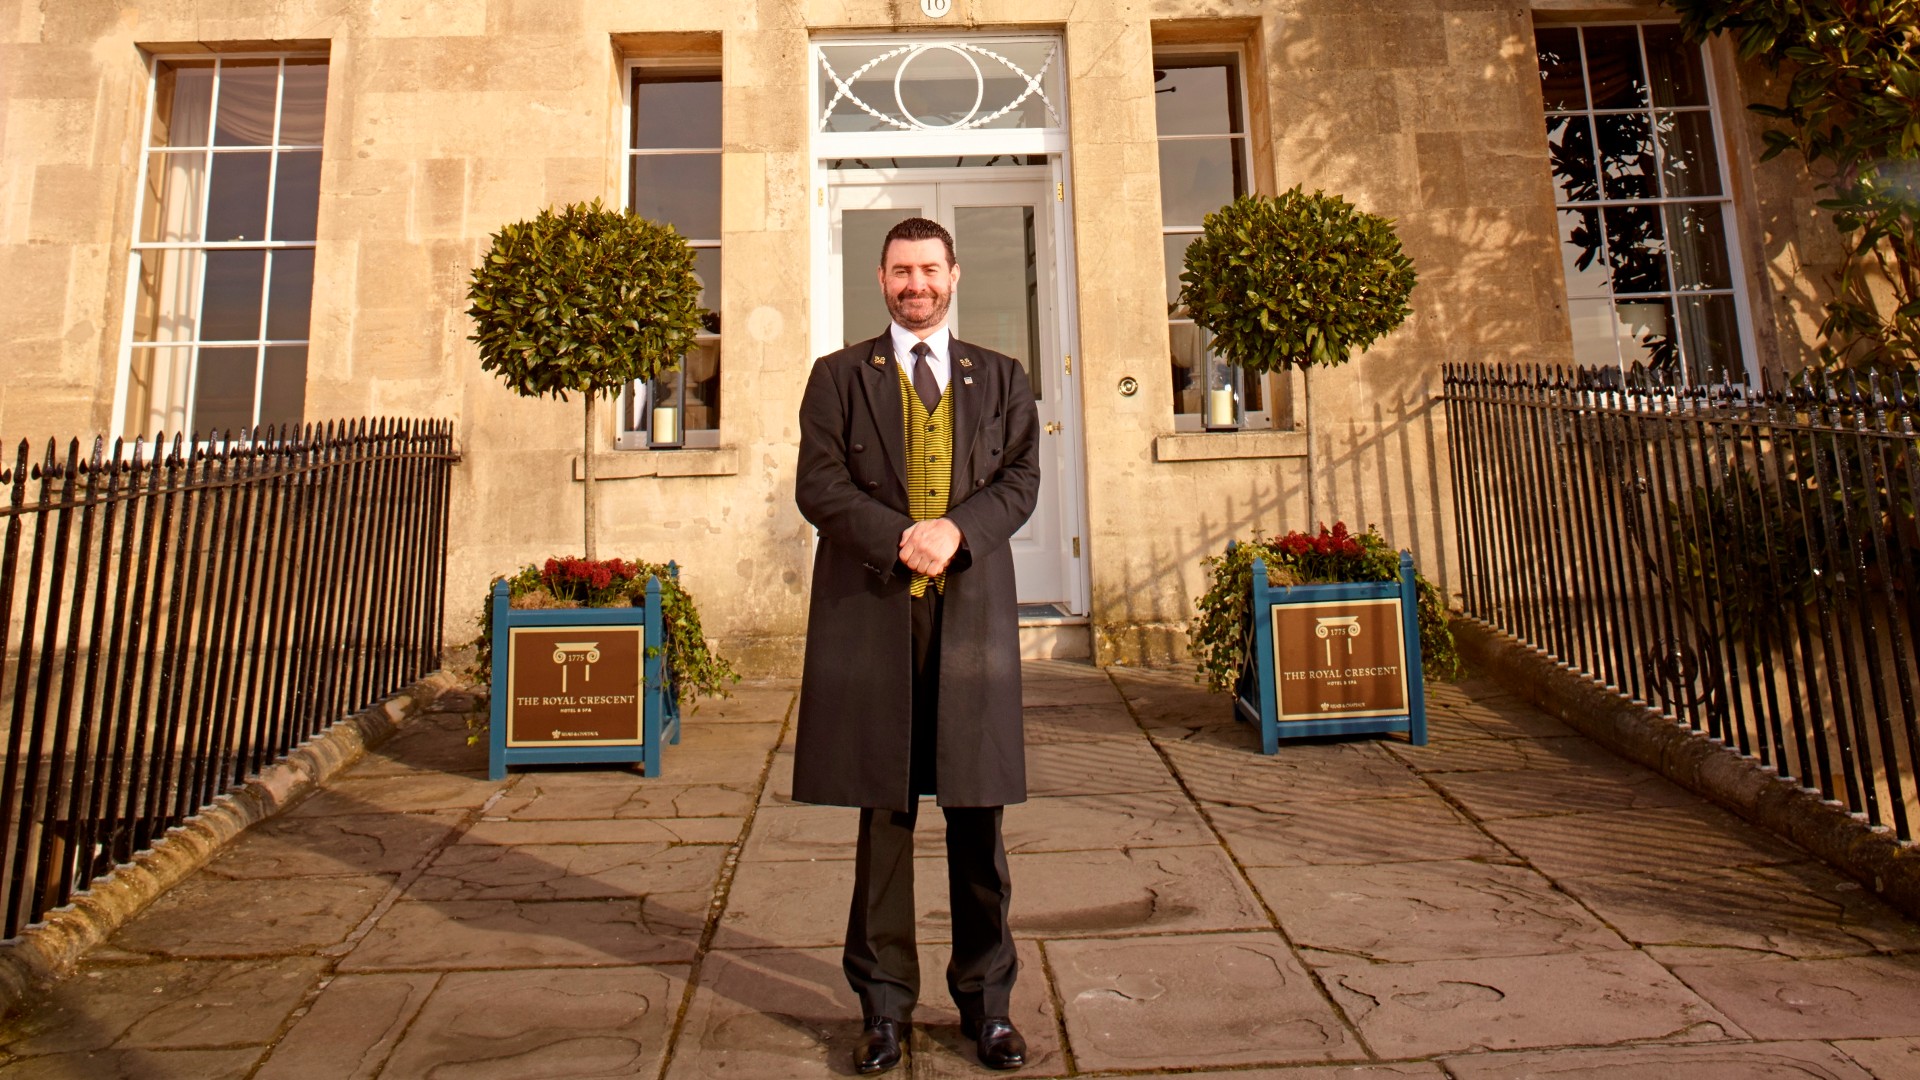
(857, 447)
(996, 451)
(873, 485)
(979, 483)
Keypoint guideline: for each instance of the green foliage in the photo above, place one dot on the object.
(692, 665)
(1297, 280)
(1852, 107)
(1222, 636)
(584, 300)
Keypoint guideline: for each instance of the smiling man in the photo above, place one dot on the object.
(917, 463)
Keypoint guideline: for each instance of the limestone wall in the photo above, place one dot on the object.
(448, 118)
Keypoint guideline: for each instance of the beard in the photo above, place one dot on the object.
(925, 315)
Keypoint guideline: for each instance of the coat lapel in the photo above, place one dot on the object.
(965, 379)
(882, 382)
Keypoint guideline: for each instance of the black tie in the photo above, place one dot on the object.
(924, 383)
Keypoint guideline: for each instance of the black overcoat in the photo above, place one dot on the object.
(856, 694)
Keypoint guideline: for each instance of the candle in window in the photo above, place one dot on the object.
(666, 424)
(1220, 407)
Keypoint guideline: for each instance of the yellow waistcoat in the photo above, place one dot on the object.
(929, 462)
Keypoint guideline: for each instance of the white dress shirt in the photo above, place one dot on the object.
(942, 364)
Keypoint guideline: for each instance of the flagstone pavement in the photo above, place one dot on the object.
(1509, 901)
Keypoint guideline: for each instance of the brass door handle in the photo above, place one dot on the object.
(1053, 427)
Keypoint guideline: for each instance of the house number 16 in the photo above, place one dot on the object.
(934, 9)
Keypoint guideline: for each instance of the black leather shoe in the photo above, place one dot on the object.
(996, 1041)
(879, 1046)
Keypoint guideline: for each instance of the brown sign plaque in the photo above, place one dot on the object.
(1335, 658)
(575, 686)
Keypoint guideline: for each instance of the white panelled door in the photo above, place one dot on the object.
(1008, 300)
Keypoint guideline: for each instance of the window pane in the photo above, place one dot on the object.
(1637, 247)
(682, 190)
(237, 203)
(1646, 334)
(1560, 79)
(303, 105)
(1000, 307)
(940, 88)
(1677, 74)
(1194, 100)
(1593, 332)
(1699, 241)
(706, 267)
(1686, 142)
(1176, 247)
(157, 390)
(248, 90)
(701, 369)
(296, 196)
(1587, 273)
(1189, 347)
(1710, 332)
(167, 303)
(1626, 156)
(283, 387)
(290, 294)
(862, 312)
(230, 301)
(223, 391)
(676, 113)
(182, 103)
(1570, 152)
(175, 188)
(1613, 67)
(1196, 178)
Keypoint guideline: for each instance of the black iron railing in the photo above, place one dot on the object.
(1744, 560)
(179, 615)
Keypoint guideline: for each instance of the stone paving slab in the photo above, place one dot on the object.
(211, 916)
(1547, 792)
(1884, 1058)
(1582, 999)
(1619, 841)
(1216, 999)
(1351, 833)
(352, 1027)
(1856, 997)
(1740, 1061)
(169, 1005)
(1510, 901)
(137, 1065)
(308, 845)
(470, 934)
(1797, 910)
(1455, 910)
(563, 1025)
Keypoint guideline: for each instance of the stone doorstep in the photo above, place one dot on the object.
(50, 949)
(1874, 857)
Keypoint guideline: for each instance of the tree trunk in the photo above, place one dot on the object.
(592, 504)
(1306, 409)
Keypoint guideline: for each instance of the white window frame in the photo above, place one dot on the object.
(130, 302)
(633, 418)
(1736, 264)
(1255, 420)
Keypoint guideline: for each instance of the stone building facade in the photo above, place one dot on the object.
(217, 212)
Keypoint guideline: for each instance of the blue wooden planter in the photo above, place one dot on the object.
(659, 706)
(1257, 697)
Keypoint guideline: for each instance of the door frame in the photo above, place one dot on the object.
(896, 144)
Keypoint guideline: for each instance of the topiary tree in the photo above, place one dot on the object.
(1295, 281)
(584, 300)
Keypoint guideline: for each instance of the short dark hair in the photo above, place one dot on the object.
(918, 228)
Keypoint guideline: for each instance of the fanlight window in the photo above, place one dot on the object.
(939, 86)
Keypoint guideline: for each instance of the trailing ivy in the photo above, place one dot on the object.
(692, 665)
(1222, 636)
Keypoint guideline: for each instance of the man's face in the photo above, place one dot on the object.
(918, 283)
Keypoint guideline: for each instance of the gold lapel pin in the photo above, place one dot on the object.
(879, 361)
(965, 363)
(968, 379)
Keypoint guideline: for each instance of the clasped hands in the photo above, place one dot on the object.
(928, 546)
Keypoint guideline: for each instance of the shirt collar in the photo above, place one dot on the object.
(940, 341)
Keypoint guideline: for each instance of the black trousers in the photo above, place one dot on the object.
(881, 958)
